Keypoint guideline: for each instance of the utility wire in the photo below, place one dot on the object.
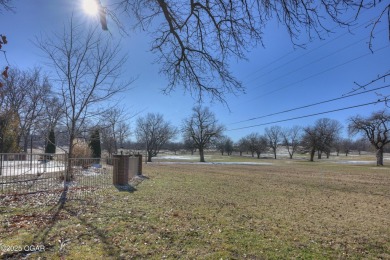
(319, 73)
(310, 115)
(310, 105)
(315, 61)
(303, 55)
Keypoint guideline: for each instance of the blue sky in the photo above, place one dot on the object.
(277, 78)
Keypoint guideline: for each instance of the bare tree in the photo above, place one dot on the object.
(375, 128)
(108, 141)
(321, 136)
(224, 144)
(328, 131)
(202, 127)
(123, 133)
(347, 145)
(251, 141)
(242, 145)
(195, 39)
(53, 112)
(261, 145)
(154, 132)
(291, 138)
(256, 143)
(117, 130)
(189, 144)
(87, 68)
(229, 146)
(6, 5)
(274, 135)
(32, 112)
(25, 93)
(361, 144)
(174, 146)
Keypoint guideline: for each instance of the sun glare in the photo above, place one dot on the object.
(90, 7)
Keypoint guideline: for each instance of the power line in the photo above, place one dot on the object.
(310, 105)
(306, 53)
(315, 61)
(319, 73)
(310, 115)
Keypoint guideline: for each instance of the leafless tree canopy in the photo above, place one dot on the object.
(274, 135)
(195, 39)
(321, 136)
(224, 144)
(291, 138)
(25, 94)
(88, 71)
(252, 141)
(5, 5)
(202, 127)
(114, 128)
(153, 131)
(376, 128)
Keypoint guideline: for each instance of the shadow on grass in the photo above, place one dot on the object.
(40, 237)
(62, 210)
(126, 188)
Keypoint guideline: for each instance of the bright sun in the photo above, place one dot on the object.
(90, 7)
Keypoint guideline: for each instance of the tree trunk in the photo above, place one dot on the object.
(275, 153)
(201, 154)
(25, 143)
(69, 175)
(258, 155)
(319, 154)
(312, 153)
(149, 156)
(379, 156)
(240, 153)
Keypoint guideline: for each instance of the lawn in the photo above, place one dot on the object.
(288, 210)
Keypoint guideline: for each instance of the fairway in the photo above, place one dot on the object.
(287, 210)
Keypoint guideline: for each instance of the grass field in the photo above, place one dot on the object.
(287, 210)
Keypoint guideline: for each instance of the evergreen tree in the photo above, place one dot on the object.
(94, 144)
(51, 143)
(9, 130)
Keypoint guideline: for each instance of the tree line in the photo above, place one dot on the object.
(29, 108)
(201, 130)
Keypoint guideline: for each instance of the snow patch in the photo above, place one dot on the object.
(177, 157)
(356, 162)
(217, 163)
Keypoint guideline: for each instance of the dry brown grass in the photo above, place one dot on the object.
(289, 210)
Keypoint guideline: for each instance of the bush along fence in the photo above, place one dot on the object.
(30, 173)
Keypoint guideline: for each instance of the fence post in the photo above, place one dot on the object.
(139, 164)
(1, 164)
